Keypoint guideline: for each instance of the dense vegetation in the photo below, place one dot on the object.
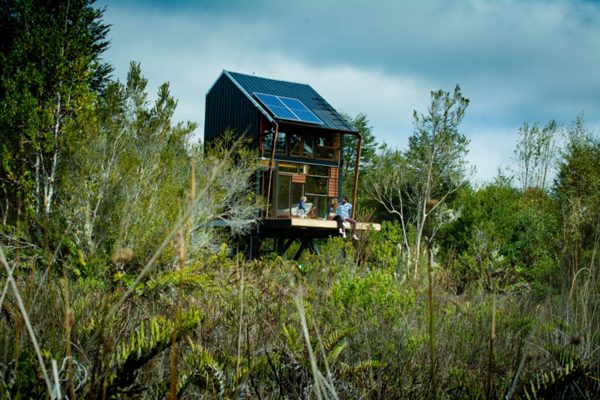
(115, 286)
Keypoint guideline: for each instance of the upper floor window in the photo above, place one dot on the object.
(297, 142)
(267, 142)
(280, 146)
(326, 148)
(301, 145)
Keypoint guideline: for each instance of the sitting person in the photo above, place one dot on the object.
(301, 207)
(333, 215)
(345, 210)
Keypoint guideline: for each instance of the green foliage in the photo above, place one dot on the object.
(368, 148)
(373, 295)
(116, 172)
(535, 154)
(49, 64)
(385, 250)
(130, 356)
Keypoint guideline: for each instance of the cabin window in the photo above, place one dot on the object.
(318, 170)
(267, 142)
(288, 168)
(301, 145)
(288, 196)
(264, 189)
(281, 145)
(307, 145)
(315, 185)
(325, 148)
(296, 145)
(297, 193)
(283, 197)
(322, 208)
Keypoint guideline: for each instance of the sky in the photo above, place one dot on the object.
(516, 61)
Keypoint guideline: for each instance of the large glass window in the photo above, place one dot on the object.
(295, 145)
(288, 168)
(316, 185)
(307, 145)
(301, 145)
(322, 208)
(318, 170)
(267, 142)
(264, 187)
(281, 145)
(325, 149)
(283, 197)
(297, 193)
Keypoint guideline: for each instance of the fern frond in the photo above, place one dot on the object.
(173, 278)
(333, 355)
(146, 342)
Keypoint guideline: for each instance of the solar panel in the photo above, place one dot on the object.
(287, 108)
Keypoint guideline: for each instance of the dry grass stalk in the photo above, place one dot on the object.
(239, 344)
(9, 279)
(68, 323)
(431, 320)
(182, 247)
(488, 385)
(525, 355)
(321, 384)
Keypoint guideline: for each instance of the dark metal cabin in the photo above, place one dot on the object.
(307, 136)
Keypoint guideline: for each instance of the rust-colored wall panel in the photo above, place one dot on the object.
(299, 178)
(337, 143)
(333, 182)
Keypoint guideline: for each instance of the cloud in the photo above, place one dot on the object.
(515, 61)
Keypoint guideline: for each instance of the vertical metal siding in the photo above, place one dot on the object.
(228, 107)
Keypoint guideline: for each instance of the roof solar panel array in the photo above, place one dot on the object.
(316, 104)
(288, 108)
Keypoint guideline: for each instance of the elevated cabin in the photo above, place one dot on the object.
(300, 137)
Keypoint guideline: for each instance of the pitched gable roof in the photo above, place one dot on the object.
(250, 84)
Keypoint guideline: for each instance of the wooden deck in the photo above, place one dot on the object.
(317, 224)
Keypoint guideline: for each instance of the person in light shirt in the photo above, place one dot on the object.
(344, 211)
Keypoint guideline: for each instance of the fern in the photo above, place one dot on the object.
(209, 372)
(172, 278)
(573, 379)
(143, 347)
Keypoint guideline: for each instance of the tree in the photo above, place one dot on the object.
(127, 179)
(50, 65)
(415, 184)
(535, 153)
(577, 188)
(368, 149)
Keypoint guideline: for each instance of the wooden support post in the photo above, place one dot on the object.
(254, 246)
(360, 139)
(272, 163)
(312, 246)
(300, 251)
(283, 248)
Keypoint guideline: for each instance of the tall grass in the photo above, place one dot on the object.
(339, 328)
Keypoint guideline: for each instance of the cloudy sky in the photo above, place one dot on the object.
(516, 61)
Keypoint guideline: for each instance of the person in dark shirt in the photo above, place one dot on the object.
(334, 215)
(301, 207)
